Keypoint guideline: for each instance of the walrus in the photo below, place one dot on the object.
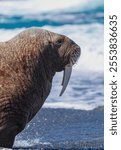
(28, 63)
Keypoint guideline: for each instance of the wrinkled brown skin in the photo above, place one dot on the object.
(28, 63)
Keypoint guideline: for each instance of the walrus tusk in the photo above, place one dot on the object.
(66, 78)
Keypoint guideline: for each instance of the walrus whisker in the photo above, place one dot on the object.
(66, 78)
(72, 61)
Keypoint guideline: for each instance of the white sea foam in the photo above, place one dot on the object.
(8, 34)
(72, 105)
(38, 6)
(29, 143)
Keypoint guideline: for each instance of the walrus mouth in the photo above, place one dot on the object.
(75, 56)
(68, 70)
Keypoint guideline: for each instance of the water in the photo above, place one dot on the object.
(81, 20)
(64, 129)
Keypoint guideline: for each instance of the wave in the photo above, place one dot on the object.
(38, 6)
(78, 14)
(72, 105)
(50, 20)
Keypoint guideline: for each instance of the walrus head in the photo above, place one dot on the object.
(59, 52)
(62, 53)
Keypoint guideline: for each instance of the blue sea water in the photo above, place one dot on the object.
(83, 21)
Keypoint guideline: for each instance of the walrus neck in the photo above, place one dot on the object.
(48, 70)
(40, 69)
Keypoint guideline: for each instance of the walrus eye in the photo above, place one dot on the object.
(59, 42)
